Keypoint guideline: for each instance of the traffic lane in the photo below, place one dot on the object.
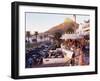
(51, 65)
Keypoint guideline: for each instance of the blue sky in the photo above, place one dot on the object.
(42, 22)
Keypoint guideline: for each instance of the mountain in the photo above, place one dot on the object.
(63, 27)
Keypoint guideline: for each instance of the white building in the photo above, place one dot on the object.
(40, 38)
(84, 28)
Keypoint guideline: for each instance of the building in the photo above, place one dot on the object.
(84, 28)
(39, 38)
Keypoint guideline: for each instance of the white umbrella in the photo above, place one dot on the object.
(71, 36)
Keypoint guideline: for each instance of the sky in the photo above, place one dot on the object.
(42, 22)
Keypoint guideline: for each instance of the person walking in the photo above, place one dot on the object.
(81, 58)
(30, 62)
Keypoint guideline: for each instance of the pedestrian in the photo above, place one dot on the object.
(30, 62)
(81, 58)
(73, 59)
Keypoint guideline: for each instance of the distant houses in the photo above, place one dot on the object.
(40, 38)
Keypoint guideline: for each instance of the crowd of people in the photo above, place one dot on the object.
(80, 48)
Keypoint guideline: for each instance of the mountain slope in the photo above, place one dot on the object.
(62, 27)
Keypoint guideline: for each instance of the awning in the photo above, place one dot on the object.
(71, 36)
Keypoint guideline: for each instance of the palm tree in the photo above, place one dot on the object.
(28, 35)
(36, 34)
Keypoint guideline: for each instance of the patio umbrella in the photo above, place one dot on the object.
(71, 36)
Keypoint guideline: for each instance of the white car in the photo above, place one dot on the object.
(67, 56)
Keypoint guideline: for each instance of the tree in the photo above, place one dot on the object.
(36, 34)
(28, 35)
(57, 36)
(70, 30)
